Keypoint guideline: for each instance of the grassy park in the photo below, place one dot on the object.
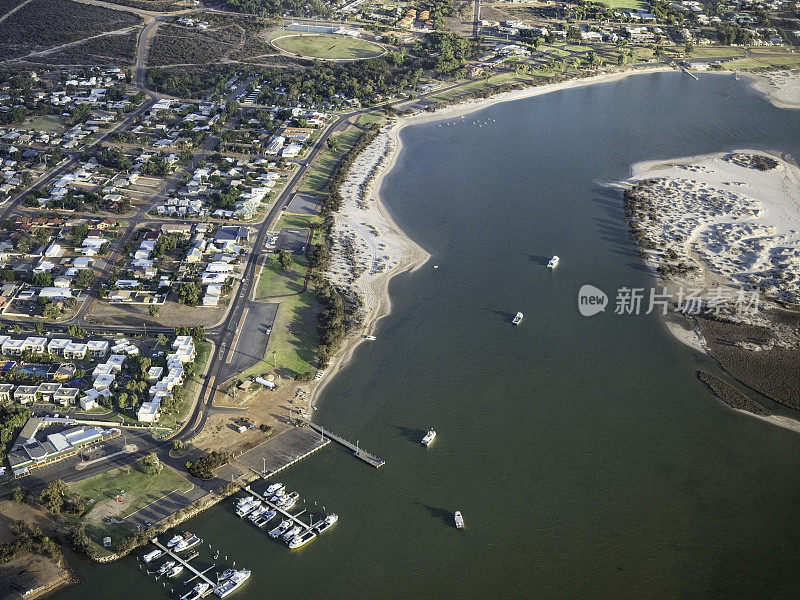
(335, 47)
(316, 179)
(106, 514)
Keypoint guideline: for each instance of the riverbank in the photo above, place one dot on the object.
(402, 252)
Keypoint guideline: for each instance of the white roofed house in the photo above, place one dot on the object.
(14, 347)
(36, 345)
(75, 351)
(148, 412)
(55, 293)
(97, 348)
(56, 346)
(104, 382)
(66, 396)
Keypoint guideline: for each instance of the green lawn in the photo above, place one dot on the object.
(327, 46)
(293, 338)
(622, 3)
(746, 64)
(715, 51)
(49, 123)
(190, 388)
(316, 180)
(274, 281)
(140, 489)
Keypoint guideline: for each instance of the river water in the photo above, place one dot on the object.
(587, 459)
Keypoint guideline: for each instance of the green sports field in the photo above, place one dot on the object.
(327, 46)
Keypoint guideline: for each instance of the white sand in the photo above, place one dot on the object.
(735, 225)
(782, 88)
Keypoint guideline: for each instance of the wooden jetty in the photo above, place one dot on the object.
(279, 510)
(357, 452)
(185, 563)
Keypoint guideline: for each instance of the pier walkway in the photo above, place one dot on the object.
(287, 514)
(185, 563)
(357, 452)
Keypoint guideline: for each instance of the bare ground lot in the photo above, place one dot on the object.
(170, 314)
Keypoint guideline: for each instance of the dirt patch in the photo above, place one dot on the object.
(14, 511)
(30, 573)
(262, 406)
(118, 313)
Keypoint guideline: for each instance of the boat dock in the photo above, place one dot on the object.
(285, 513)
(357, 452)
(185, 563)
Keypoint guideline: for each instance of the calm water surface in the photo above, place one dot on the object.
(587, 459)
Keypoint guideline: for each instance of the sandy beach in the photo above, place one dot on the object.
(782, 88)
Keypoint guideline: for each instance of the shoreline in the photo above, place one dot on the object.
(780, 88)
(382, 307)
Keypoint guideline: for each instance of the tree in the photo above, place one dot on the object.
(84, 278)
(162, 340)
(189, 293)
(51, 311)
(52, 497)
(177, 445)
(43, 279)
(122, 400)
(285, 260)
(150, 465)
(18, 494)
(153, 309)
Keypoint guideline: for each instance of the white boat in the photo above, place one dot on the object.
(517, 319)
(175, 571)
(289, 503)
(165, 567)
(284, 525)
(272, 489)
(197, 592)
(426, 441)
(245, 500)
(302, 539)
(267, 517)
(231, 583)
(151, 556)
(292, 532)
(459, 520)
(553, 262)
(326, 523)
(256, 513)
(175, 539)
(371, 338)
(246, 509)
(186, 543)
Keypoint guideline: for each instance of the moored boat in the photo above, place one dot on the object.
(326, 523)
(152, 555)
(283, 526)
(231, 583)
(301, 539)
(197, 592)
